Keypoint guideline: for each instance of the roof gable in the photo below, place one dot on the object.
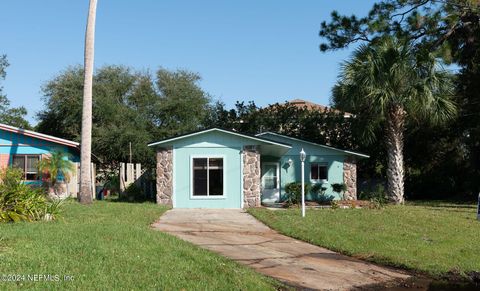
(256, 139)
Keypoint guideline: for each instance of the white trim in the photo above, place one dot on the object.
(277, 165)
(320, 164)
(242, 152)
(30, 133)
(208, 197)
(174, 169)
(25, 166)
(315, 144)
(220, 130)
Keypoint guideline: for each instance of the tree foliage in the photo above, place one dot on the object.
(432, 24)
(388, 84)
(14, 116)
(128, 107)
(325, 127)
(448, 161)
(393, 73)
(56, 166)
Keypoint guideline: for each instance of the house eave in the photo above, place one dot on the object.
(316, 144)
(38, 135)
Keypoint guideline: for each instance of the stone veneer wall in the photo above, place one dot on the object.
(251, 177)
(165, 176)
(350, 178)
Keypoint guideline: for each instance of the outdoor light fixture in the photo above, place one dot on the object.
(290, 162)
(303, 155)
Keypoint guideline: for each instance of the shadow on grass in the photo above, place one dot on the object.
(444, 204)
(130, 200)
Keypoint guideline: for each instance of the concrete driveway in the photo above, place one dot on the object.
(239, 236)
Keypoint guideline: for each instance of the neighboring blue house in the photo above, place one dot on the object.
(217, 168)
(24, 148)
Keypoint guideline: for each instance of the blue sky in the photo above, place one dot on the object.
(266, 51)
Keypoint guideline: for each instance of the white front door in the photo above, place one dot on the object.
(270, 182)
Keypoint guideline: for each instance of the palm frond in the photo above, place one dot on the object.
(393, 73)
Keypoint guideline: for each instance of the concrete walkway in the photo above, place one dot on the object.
(239, 236)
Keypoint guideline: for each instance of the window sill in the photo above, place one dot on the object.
(319, 181)
(208, 197)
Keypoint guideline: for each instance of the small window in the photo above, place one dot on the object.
(28, 164)
(319, 171)
(208, 177)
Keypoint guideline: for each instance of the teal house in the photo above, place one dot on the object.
(218, 168)
(23, 149)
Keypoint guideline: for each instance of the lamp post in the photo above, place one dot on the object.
(303, 155)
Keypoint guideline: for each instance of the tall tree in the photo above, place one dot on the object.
(85, 195)
(178, 91)
(451, 30)
(391, 83)
(431, 24)
(128, 108)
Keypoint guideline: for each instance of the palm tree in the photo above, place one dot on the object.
(85, 195)
(389, 83)
(56, 165)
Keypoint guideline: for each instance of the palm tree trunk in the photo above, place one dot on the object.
(85, 195)
(394, 138)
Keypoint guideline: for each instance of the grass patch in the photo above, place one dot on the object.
(429, 237)
(109, 246)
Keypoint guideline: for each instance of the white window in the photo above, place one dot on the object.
(207, 176)
(28, 164)
(319, 171)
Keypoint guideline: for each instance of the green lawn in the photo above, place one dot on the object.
(430, 237)
(108, 246)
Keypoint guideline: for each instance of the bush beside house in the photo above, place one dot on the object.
(21, 202)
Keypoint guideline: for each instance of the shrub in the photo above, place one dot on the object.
(293, 192)
(319, 191)
(377, 196)
(56, 166)
(340, 188)
(133, 193)
(20, 202)
(377, 193)
(334, 204)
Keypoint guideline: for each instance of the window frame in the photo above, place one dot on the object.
(25, 166)
(208, 196)
(319, 164)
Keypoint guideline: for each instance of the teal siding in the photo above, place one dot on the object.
(229, 147)
(17, 144)
(293, 174)
(14, 143)
(315, 154)
(208, 144)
